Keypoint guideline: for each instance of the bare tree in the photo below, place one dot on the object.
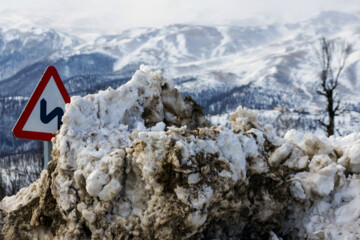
(332, 58)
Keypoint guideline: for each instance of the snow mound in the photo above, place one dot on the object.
(141, 162)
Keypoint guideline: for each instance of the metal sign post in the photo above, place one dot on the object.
(47, 152)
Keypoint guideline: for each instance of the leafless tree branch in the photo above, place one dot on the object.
(330, 74)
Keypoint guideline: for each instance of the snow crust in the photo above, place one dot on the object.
(328, 191)
(141, 161)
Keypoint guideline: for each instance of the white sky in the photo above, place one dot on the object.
(115, 15)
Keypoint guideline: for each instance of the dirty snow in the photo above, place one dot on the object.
(141, 162)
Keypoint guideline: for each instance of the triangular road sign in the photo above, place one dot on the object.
(42, 114)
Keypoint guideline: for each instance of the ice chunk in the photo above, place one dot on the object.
(110, 190)
(95, 182)
(354, 156)
(280, 154)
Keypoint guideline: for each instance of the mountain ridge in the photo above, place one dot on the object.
(220, 66)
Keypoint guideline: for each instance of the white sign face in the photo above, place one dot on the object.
(43, 112)
(48, 110)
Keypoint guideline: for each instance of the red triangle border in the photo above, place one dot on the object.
(18, 128)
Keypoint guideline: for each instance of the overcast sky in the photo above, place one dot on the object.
(116, 15)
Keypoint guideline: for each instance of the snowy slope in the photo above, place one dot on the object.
(274, 57)
(21, 48)
(208, 62)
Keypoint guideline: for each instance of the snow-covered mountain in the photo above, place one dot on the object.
(221, 67)
(20, 48)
